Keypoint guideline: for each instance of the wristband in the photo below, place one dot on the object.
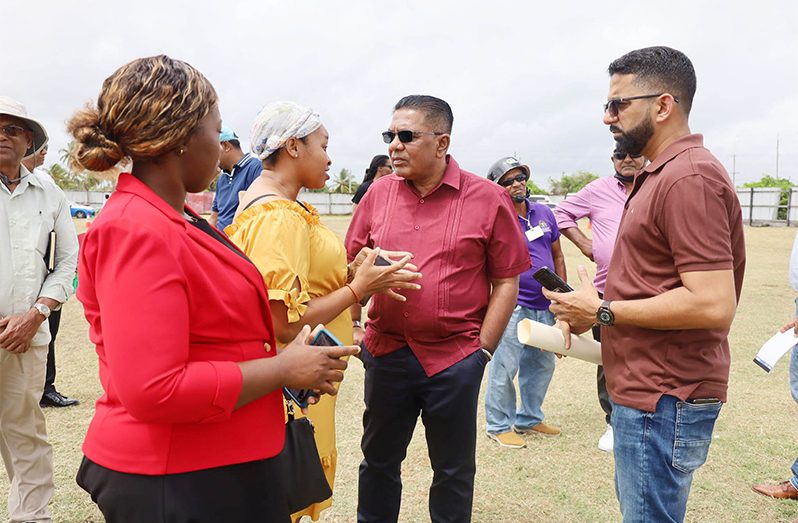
(357, 298)
(356, 324)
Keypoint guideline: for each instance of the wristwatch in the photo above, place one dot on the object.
(356, 324)
(604, 315)
(43, 309)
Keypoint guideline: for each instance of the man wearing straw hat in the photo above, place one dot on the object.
(38, 256)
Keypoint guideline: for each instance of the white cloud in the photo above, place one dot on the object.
(521, 77)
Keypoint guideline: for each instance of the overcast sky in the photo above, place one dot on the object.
(522, 77)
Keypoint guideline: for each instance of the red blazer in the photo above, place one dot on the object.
(171, 310)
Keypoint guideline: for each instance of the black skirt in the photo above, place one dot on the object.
(245, 492)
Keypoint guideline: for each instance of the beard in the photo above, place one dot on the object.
(634, 140)
(518, 198)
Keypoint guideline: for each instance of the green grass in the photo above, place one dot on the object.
(562, 479)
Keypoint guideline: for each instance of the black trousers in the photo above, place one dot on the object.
(49, 377)
(246, 492)
(396, 391)
(601, 383)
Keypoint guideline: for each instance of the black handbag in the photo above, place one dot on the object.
(300, 466)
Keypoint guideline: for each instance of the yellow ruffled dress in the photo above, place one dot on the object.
(287, 242)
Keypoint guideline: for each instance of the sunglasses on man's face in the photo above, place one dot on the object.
(521, 178)
(404, 136)
(13, 131)
(622, 156)
(613, 106)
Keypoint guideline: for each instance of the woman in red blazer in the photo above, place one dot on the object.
(192, 411)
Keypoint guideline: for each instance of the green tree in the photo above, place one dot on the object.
(344, 182)
(534, 189)
(777, 183)
(571, 183)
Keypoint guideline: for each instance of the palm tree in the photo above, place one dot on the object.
(344, 182)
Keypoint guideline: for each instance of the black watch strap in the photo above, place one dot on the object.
(604, 315)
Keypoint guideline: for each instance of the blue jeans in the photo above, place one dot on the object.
(534, 368)
(656, 454)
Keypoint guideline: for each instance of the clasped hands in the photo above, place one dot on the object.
(17, 331)
(575, 311)
(370, 278)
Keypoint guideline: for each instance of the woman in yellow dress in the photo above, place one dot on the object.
(303, 262)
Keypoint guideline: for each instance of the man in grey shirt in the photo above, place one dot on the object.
(38, 257)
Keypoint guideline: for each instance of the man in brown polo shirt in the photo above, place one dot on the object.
(672, 288)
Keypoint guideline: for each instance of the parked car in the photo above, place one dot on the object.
(81, 211)
(540, 198)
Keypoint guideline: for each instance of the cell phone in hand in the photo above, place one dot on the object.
(551, 281)
(301, 397)
(381, 262)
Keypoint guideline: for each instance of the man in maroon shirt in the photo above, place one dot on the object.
(672, 288)
(427, 355)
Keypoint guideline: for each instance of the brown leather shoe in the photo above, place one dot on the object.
(783, 490)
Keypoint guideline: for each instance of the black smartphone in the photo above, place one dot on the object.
(380, 261)
(551, 281)
(323, 338)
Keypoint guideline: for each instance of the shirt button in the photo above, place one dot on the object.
(405, 314)
(416, 227)
(421, 200)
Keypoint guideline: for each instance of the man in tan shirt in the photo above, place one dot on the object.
(34, 219)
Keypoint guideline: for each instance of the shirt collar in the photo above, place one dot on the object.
(690, 141)
(28, 178)
(130, 184)
(243, 159)
(451, 176)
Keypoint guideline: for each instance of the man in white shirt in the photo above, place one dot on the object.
(34, 221)
(788, 489)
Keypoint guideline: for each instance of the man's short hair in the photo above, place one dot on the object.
(662, 69)
(235, 143)
(437, 111)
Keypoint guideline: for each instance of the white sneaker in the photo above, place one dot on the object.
(605, 441)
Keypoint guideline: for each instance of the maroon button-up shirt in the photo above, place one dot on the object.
(463, 234)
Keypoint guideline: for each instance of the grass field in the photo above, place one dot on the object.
(563, 479)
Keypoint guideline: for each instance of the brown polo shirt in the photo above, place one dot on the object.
(682, 216)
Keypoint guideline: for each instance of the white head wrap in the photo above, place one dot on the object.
(277, 122)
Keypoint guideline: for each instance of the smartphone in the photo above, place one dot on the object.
(323, 338)
(551, 281)
(380, 261)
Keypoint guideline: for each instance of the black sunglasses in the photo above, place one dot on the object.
(613, 106)
(622, 156)
(12, 131)
(518, 178)
(404, 136)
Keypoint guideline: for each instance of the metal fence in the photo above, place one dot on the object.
(767, 206)
(325, 203)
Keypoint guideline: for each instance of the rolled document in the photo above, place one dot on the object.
(773, 349)
(551, 339)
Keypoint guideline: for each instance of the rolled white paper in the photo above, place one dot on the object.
(551, 339)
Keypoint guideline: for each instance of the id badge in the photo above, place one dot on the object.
(534, 233)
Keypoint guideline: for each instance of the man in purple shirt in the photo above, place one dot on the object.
(533, 366)
(601, 201)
